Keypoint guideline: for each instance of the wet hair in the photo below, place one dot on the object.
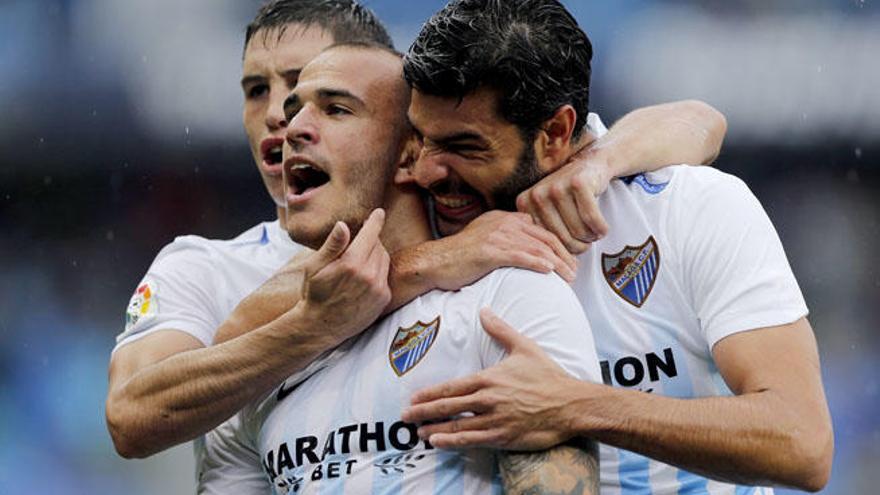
(345, 20)
(532, 53)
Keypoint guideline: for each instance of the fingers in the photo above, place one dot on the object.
(446, 408)
(483, 438)
(366, 240)
(559, 250)
(334, 245)
(451, 388)
(503, 333)
(588, 211)
(459, 425)
(549, 216)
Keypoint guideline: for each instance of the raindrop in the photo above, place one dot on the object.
(110, 235)
(858, 152)
(186, 130)
(47, 180)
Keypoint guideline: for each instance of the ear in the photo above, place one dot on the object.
(406, 162)
(553, 142)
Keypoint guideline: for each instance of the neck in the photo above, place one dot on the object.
(405, 221)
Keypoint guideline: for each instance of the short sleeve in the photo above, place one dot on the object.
(229, 461)
(545, 309)
(734, 266)
(175, 294)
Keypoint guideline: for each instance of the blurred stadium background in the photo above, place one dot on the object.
(120, 129)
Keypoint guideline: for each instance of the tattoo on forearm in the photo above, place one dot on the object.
(568, 469)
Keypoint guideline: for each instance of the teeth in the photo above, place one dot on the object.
(301, 166)
(453, 202)
(275, 149)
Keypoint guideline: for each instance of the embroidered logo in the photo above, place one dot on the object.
(631, 273)
(143, 303)
(411, 344)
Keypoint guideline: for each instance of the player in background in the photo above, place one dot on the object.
(338, 430)
(168, 385)
(711, 366)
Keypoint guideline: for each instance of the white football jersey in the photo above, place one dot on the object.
(339, 430)
(691, 257)
(194, 283)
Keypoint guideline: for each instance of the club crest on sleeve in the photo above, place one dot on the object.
(410, 345)
(631, 272)
(142, 304)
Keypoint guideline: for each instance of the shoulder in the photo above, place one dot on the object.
(511, 279)
(192, 248)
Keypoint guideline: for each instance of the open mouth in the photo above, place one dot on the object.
(304, 177)
(271, 150)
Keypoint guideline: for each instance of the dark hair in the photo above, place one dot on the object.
(346, 20)
(531, 51)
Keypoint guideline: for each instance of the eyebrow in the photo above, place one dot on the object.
(453, 138)
(254, 78)
(328, 93)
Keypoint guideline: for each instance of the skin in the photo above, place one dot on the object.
(526, 403)
(347, 115)
(270, 70)
(167, 388)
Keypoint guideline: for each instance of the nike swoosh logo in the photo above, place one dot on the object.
(284, 392)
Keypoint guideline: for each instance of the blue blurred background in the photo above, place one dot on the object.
(120, 128)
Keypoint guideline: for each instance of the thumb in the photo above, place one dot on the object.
(499, 330)
(334, 245)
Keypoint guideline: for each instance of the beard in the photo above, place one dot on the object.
(525, 175)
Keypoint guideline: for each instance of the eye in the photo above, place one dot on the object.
(334, 109)
(256, 91)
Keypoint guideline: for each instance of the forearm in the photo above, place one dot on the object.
(189, 393)
(753, 439)
(653, 137)
(564, 469)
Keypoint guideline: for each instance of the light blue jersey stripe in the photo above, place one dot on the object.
(690, 483)
(746, 490)
(448, 473)
(633, 474)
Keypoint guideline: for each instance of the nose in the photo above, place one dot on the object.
(429, 169)
(302, 130)
(275, 114)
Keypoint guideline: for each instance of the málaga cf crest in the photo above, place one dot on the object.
(631, 272)
(411, 344)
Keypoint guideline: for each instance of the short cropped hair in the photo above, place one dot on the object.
(532, 52)
(345, 20)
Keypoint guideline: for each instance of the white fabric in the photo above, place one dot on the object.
(197, 282)
(359, 393)
(720, 270)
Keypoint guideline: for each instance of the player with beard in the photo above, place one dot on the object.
(712, 375)
(168, 385)
(337, 428)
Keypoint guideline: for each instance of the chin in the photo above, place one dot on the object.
(311, 236)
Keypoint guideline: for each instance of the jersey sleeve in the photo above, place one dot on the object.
(734, 267)
(545, 309)
(229, 462)
(175, 294)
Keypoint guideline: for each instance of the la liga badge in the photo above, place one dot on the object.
(410, 345)
(142, 304)
(631, 272)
